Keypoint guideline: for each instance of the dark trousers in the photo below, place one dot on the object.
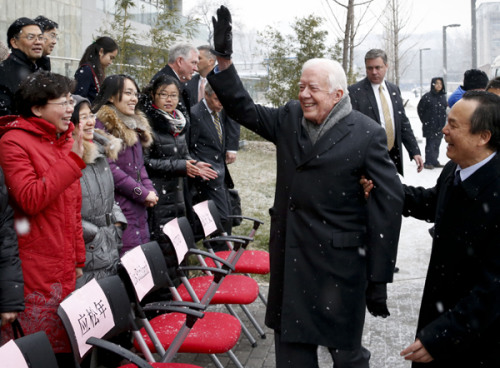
(432, 149)
(299, 355)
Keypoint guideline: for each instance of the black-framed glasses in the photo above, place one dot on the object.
(166, 96)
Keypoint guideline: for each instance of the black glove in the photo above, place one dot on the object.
(223, 37)
(376, 299)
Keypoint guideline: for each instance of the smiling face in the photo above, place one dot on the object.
(86, 122)
(30, 41)
(463, 146)
(375, 70)
(129, 98)
(57, 112)
(315, 97)
(50, 41)
(167, 97)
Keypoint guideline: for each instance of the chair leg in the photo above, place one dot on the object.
(263, 298)
(216, 360)
(243, 327)
(254, 321)
(234, 359)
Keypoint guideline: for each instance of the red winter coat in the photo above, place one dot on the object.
(42, 176)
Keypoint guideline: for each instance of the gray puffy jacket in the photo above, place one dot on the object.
(100, 213)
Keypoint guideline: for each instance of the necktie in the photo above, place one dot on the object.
(389, 129)
(201, 90)
(457, 179)
(217, 125)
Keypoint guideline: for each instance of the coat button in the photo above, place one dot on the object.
(292, 207)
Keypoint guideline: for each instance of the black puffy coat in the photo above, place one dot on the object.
(11, 275)
(432, 110)
(165, 162)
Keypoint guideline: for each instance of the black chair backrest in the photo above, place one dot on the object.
(85, 314)
(209, 208)
(156, 269)
(32, 351)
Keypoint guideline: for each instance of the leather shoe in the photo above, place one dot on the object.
(427, 166)
(396, 269)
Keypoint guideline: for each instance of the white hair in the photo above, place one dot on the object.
(336, 75)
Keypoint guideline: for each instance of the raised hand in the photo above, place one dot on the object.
(223, 35)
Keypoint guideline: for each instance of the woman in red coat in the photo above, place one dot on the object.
(42, 165)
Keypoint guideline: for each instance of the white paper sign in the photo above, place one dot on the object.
(89, 313)
(138, 269)
(11, 356)
(174, 233)
(206, 218)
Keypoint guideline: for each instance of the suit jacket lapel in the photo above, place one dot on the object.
(371, 98)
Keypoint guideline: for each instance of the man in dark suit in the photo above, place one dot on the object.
(212, 140)
(182, 64)
(196, 86)
(331, 251)
(381, 101)
(459, 317)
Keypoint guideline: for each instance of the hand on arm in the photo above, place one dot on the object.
(417, 352)
(223, 37)
(367, 185)
(151, 199)
(376, 299)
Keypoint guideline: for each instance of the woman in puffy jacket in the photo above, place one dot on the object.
(42, 166)
(117, 114)
(102, 219)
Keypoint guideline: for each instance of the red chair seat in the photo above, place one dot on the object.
(164, 365)
(235, 289)
(251, 261)
(205, 337)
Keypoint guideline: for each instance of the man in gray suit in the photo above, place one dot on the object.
(332, 253)
(381, 101)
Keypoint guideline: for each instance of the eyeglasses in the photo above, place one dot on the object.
(130, 94)
(31, 37)
(87, 117)
(63, 104)
(166, 96)
(53, 36)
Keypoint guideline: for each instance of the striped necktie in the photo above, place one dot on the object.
(201, 89)
(389, 129)
(217, 125)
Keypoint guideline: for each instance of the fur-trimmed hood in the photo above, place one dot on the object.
(127, 128)
(103, 144)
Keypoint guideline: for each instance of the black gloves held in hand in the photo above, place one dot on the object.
(223, 37)
(376, 299)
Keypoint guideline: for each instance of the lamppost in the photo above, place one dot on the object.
(421, 68)
(444, 50)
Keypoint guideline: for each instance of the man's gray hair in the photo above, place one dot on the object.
(376, 53)
(336, 74)
(208, 89)
(180, 50)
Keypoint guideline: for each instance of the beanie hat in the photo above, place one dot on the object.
(78, 101)
(475, 79)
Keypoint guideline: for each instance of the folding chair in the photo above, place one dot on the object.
(144, 270)
(98, 311)
(245, 261)
(32, 351)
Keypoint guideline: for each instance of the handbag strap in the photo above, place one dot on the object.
(17, 329)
